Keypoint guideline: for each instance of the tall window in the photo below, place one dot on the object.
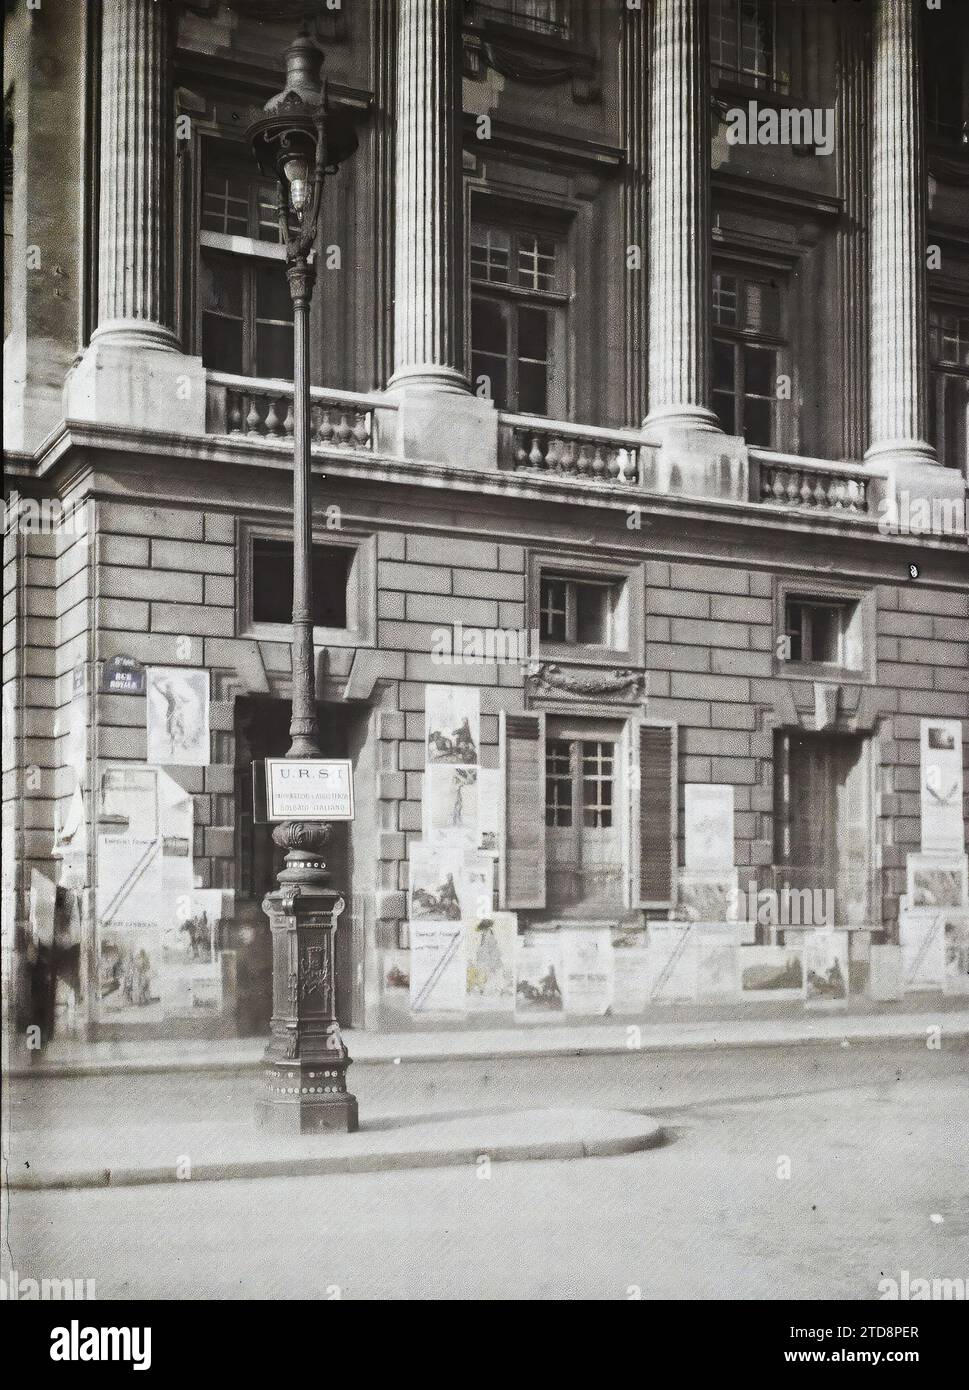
(246, 314)
(742, 41)
(949, 399)
(945, 66)
(747, 343)
(541, 16)
(517, 318)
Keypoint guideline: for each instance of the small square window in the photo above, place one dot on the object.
(580, 612)
(272, 582)
(818, 631)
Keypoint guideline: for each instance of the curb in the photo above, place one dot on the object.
(153, 1067)
(648, 1133)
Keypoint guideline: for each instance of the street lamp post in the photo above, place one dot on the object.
(298, 139)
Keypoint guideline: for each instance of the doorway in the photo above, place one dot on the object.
(583, 818)
(822, 820)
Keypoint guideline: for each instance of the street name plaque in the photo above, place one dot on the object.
(302, 789)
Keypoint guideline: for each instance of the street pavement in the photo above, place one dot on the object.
(806, 1172)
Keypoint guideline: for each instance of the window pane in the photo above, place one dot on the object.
(272, 583)
(220, 285)
(558, 782)
(759, 422)
(274, 350)
(536, 263)
(490, 253)
(489, 332)
(273, 300)
(222, 344)
(794, 625)
(763, 307)
(593, 603)
(724, 299)
(533, 334)
(532, 388)
(597, 774)
(825, 633)
(492, 373)
(553, 610)
(760, 376)
(225, 203)
(724, 365)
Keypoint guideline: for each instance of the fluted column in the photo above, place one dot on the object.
(634, 204)
(679, 219)
(898, 366)
(854, 275)
(135, 279)
(429, 219)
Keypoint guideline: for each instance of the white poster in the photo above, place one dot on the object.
(451, 806)
(434, 875)
(943, 827)
(938, 880)
(772, 973)
(708, 827)
(490, 944)
(475, 881)
(672, 962)
(129, 884)
(885, 972)
(708, 897)
(826, 967)
(587, 969)
(452, 724)
(538, 972)
(921, 935)
(489, 791)
(178, 716)
(43, 898)
(956, 929)
(438, 973)
(717, 946)
(630, 979)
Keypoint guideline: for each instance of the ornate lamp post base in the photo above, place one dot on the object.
(306, 1060)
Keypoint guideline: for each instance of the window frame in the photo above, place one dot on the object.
(628, 649)
(738, 76)
(857, 640)
(945, 378)
(511, 298)
(739, 337)
(361, 597)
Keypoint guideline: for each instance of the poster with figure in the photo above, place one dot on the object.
(452, 724)
(708, 897)
(956, 940)
(940, 786)
(587, 969)
(826, 968)
(717, 946)
(708, 827)
(475, 881)
(489, 793)
(672, 962)
(490, 943)
(438, 972)
(178, 716)
(538, 976)
(772, 973)
(434, 875)
(921, 935)
(451, 806)
(938, 880)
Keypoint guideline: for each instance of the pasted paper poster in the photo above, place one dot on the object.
(538, 966)
(938, 880)
(956, 929)
(921, 935)
(451, 805)
(178, 716)
(630, 973)
(438, 973)
(717, 947)
(490, 944)
(708, 827)
(943, 827)
(672, 962)
(826, 967)
(772, 973)
(452, 724)
(434, 875)
(587, 969)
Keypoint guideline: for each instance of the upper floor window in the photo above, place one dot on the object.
(541, 16)
(945, 67)
(517, 318)
(582, 611)
(742, 41)
(949, 396)
(245, 310)
(747, 343)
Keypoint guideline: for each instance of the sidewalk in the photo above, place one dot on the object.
(67, 1058)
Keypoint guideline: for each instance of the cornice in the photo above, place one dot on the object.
(776, 195)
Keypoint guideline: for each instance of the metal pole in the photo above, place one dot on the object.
(303, 727)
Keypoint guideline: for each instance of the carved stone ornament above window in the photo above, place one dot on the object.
(538, 67)
(622, 684)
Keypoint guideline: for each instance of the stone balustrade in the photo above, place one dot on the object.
(569, 451)
(810, 485)
(242, 407)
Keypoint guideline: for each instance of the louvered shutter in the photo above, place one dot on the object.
(522, 822)
(657, 818)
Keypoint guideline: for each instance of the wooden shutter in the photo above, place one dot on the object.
(522, 819)
(657, 818)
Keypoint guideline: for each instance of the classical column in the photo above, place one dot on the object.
(679, 220)
(634, 204)
(135, 278)
(854, 275)
(429, 221)
(898, 367)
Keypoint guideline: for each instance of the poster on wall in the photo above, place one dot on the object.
(128, 801)
(921, 935)
(672, 962)
(451, 806)
(938, 880)
(490, 944)
(452, 724)
(708, 897)
(717, 946)
(178, 716)
(538, 971)
(434, 878)
(489, 791)
(956, 934)
(772, 973)
(940, 788)
(708, 827)
(826, 968)
(438, 973)
(587, 970)
(475, 881)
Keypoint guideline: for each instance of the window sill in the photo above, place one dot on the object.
(322, 636)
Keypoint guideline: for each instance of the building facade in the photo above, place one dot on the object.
(640, 388)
